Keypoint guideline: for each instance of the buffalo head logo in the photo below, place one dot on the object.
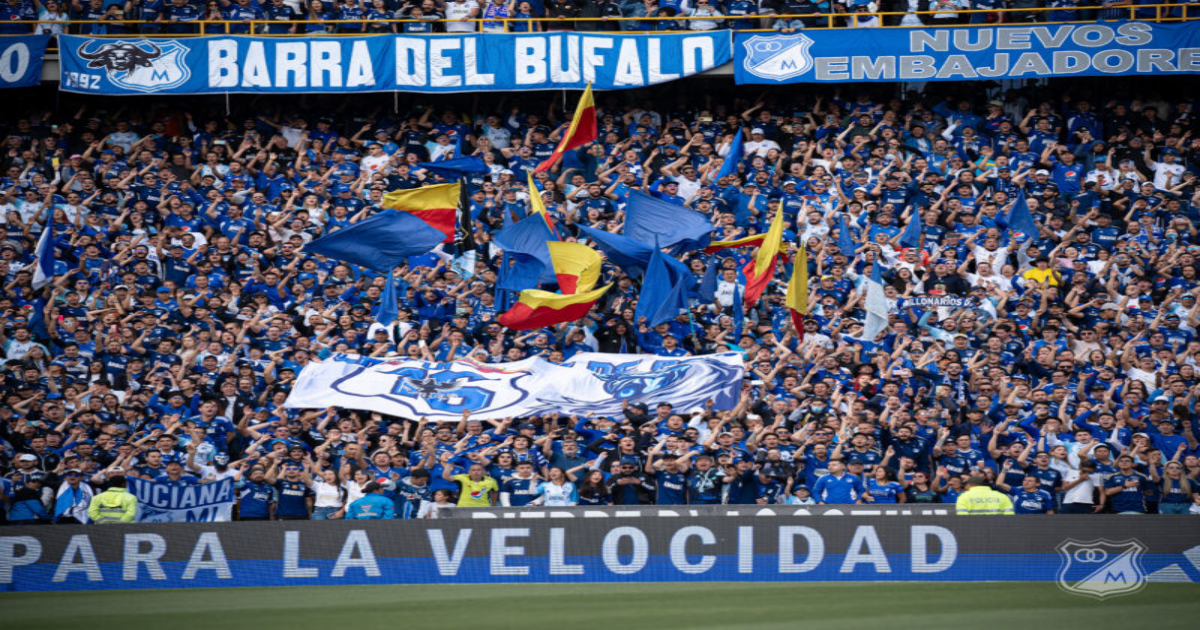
(138, 66)
(121, 56)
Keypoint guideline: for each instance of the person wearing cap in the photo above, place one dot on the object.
(373, 506)
(73, 499)
(114, 505)
(759, 145)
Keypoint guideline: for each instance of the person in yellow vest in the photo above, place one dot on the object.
(476, 489)
(114, 505)
(1041, 272)
(979, 498)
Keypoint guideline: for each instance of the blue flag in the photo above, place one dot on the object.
(733, 158)
(912, 232)
(622, 251)
(662, 224)
(381, 243)
(43, 257)
(845, 243)
(456, 167)
(528, 236)
(519, 272)
(389, 305)
(708, 284)
(664, 290)
(1020, 219)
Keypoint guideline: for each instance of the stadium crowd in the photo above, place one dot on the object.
(1061, 368)
(281, 17)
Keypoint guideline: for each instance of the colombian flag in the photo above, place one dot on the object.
(577, 268)
(760, 271)
(797, 292)
(716, 246)
(581, 131)
(435, 205)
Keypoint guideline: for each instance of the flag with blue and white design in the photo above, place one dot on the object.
(876, 305)
(43, 259)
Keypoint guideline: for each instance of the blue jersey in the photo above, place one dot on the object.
(520, 491)
(704, 488)
(884, 492)
(1036, 502)
(838, 490)
(372, 507)
(672, 488)
(409, 496)
(293, 498)
(1131, 498)
(255, 500)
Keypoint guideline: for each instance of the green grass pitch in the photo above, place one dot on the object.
(755, 606)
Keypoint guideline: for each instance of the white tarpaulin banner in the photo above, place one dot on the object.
(182, 503)
(587, 382)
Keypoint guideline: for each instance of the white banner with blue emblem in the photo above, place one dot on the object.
(469, 62)
(587, 382)
(970, 53)
(183, 502)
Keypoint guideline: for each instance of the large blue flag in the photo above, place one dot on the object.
(528, 236)
(1020, 219)
(664, 290)
(733, 158)
(455, 168)
(381, 243)
(661, 224)
(912, 232)
(845, 242)
(389, 304)
(519, 272)
(622, 251)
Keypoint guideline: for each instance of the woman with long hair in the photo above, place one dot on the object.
(594, 490)
(1176, 490)
(557, 490)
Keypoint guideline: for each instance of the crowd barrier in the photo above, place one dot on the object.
(1103, 554)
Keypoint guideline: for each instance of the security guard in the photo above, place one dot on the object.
(979, 498)
(114, 505)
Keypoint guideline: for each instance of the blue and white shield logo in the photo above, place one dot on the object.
(142, 66)
(1101, 568)
(778, 57)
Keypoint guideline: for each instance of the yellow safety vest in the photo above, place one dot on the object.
(114, 505)
(983, 500)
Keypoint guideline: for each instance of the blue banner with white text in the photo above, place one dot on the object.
(958, 54)
(21, 60)
(469, 62)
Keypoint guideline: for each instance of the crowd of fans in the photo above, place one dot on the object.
(280, 17)
(1062, 368)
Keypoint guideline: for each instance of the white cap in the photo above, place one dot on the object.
(756, 130)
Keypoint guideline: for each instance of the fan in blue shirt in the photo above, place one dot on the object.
(1031, 499)
(1126, 488)
(838, 488)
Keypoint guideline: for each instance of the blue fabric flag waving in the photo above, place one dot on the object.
(1020, 219)
(912, 232)
(664, 290)
(389, 304)
(43, 258)
(451, 169)
(708, 284)
(626, 253)
(381, 243)
(661, 224)
(733, 158)
(845, 242)
(528, 236)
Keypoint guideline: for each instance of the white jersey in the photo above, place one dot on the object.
(457, 11)
(554, 495)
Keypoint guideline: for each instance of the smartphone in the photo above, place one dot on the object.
(218, 142)
(705, 119)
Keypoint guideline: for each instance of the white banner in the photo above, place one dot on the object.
(168, 503)
(588, 382)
